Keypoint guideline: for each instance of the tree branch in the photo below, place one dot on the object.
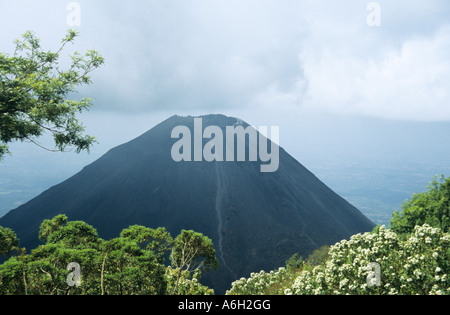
(42, 147)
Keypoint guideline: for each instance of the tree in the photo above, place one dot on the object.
(319, 256)
(129, 264)
(8, 241)
(159, 241)
(431, 207)
(127, 269)
(49, 226)
(34, 92)
(186, 283)
(71, 234)
(294, 262)
(192, 251)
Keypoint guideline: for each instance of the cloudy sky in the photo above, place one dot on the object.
(260, 55)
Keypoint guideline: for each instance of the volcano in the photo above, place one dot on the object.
(256, 220)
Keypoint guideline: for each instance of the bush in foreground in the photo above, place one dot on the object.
(417, 265)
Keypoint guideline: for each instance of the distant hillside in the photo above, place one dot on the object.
(256, 220)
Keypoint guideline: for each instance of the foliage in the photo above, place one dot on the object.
(8, 241)
(34, 92)
(192, 251)
(132, 263)
(261, 283)
(127, 269)
(185, 283)
(275, 282)
(413, 257)
(430, 207)
(417, 265)
(295, 262)
(49, 226)
(319, 256)
(158, 241)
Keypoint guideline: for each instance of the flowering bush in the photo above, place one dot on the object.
(418, 265)
(260, 283)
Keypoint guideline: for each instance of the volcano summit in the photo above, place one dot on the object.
(256, 220)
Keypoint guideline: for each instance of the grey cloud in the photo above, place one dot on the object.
(224, 55)
(195, 54)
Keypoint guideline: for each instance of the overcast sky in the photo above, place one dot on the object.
(218, 55)
(267, 61)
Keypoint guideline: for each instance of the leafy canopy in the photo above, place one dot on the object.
(191, 253)
(133, 263)
(8, 241)
(431, 207)
(34, 93)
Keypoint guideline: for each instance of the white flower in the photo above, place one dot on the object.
(417, 273)
(343, 283)
(393, 291)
